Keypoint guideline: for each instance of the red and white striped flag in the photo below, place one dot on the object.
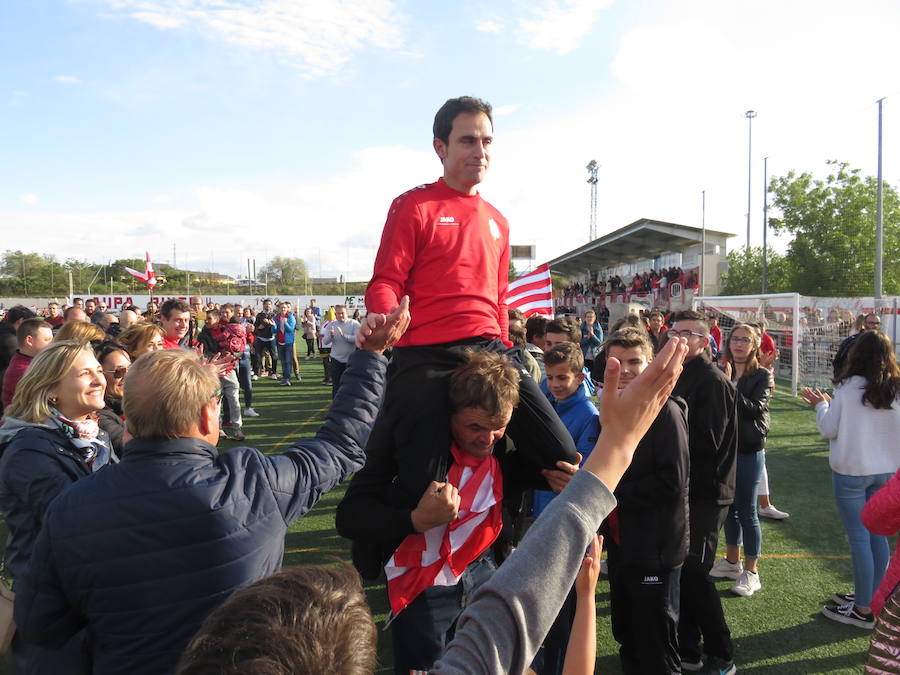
(532, 292)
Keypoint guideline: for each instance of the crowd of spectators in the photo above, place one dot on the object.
(646, 282)
(257, 342)
(85, 398)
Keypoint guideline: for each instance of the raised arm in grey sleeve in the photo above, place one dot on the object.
(502, 629)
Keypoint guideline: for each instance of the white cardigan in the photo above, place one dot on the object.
(864, 441)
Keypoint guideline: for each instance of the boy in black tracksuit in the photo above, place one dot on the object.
(712, 427)
(647, 534)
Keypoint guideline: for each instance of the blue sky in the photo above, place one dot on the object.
(239, 128)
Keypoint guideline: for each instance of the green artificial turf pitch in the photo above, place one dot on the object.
(805, 559)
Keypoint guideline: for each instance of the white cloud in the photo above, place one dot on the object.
(316, 37)
(670, 125)
(508, 109)
(489, 24)
(687, 78)
(159, 20)
(560, 25)
(29, 199)
(67, 79)
(220, 226)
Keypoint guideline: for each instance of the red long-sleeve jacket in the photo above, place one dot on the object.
(450, 253)
(881, 515)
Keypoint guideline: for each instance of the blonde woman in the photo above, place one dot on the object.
(50, 439)
(142, 338)
(81, 332)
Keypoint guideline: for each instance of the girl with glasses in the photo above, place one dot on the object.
(754, 388)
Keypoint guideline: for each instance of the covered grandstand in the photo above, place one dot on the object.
(637, 249)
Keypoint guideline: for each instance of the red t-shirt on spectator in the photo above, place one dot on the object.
(170, 343)
(716, 332)
(18, 364)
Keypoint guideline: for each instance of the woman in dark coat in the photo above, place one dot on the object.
(115, 362)
(49, 439)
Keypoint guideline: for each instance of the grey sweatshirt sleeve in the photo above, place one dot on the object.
(501, 630)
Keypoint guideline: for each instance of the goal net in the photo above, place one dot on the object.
(821, 324)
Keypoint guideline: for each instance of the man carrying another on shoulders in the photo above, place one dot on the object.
(433, 513)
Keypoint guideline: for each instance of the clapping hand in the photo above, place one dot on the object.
(766, 360)
(626, 414)
(221, 363)
(814, 397)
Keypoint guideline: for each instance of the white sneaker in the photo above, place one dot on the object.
(747, 584)
(722, 569)
(773, 513)
(250, 412)
(255, 377)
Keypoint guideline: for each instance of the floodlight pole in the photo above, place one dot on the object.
(750, 114)
(703, 243)
(592, 168)
(765, 256)
(879, 218)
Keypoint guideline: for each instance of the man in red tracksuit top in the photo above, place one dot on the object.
(448, 250)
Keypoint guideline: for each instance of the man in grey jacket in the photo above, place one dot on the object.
(342, 332)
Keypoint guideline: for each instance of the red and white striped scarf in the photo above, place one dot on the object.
(439, 556)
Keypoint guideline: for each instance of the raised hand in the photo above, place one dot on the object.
(626, 415)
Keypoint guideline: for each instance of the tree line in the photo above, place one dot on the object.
(832, 249)
(25, 274)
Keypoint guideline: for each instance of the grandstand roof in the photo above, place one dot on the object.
(642, 239)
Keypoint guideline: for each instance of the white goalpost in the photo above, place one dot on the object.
(807, 330)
